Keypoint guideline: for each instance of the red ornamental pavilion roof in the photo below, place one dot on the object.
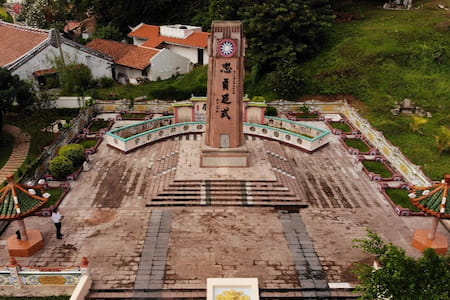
(16, 202)
(433, 199)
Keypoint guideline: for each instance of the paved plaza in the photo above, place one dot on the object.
(134, 242)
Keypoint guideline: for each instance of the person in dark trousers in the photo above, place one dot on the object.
(57, 218)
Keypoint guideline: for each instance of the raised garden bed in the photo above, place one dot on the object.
(134, 116)
(306, 116)
(88, 143)
(71, 177)
(377, 167)
(97, 124)
(341, 126)
(55, 195)
(357, 144)
(400, 197)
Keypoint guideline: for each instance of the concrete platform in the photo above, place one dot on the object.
(25, 248)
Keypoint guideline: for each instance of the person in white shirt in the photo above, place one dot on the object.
(57, 218)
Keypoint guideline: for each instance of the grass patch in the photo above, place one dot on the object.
(400, 197)
(6, 147)
(342, 126)
(55, 194)
(377, 168)
(88, 143)
(134, 116)
(98, 124)
(357, 144)
(306, 116)
(380, 59)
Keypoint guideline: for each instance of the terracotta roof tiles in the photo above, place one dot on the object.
(17, 41)
(124, 54)
(154, 39)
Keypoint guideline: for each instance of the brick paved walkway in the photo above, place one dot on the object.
(19, 153)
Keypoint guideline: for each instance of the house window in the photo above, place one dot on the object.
(145, 72)
(200, 57)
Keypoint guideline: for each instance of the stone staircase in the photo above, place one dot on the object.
(226, 193)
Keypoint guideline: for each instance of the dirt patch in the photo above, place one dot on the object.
(101, 216)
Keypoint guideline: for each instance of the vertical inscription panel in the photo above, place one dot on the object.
(225, 85)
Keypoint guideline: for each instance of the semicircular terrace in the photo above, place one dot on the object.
(131, 137)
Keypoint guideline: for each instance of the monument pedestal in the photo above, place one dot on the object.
(421, 241)
(224, 157)
(25, 248)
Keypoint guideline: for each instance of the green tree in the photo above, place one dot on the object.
(14, 93)
(74, 152)
(75, 78)
(61, 166)
(108, 32)
(401, 277)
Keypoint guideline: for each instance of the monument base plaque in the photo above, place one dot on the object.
(224, 157)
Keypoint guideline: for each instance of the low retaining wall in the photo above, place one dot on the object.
(16, 276)
(122, 139)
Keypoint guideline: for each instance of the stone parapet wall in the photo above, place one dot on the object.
(412, 173)
(154, 106)
(134, 136)
(18, 276)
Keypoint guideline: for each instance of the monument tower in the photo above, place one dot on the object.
(224, 136)
(226, 49)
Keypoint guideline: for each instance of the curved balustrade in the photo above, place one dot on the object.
(134, 136)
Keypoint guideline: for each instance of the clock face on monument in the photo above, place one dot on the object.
(227, 48)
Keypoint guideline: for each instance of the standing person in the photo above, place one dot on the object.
(57, 218)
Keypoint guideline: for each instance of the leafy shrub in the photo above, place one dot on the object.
(75, 79)
(61, 166)
(5, 16)
(271, 111)
(74, 152)
(105, 82)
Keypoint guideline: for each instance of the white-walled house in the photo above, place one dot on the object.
(31, 53)
(134, 64)
(185, 40)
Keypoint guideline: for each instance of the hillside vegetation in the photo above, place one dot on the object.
(381, 58)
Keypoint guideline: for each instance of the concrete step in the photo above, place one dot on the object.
(227, 203)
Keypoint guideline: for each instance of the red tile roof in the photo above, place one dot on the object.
(16, 201)
(17, 40)
(71, 25)
(124, 54)
(154, 39)
(45, 72)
